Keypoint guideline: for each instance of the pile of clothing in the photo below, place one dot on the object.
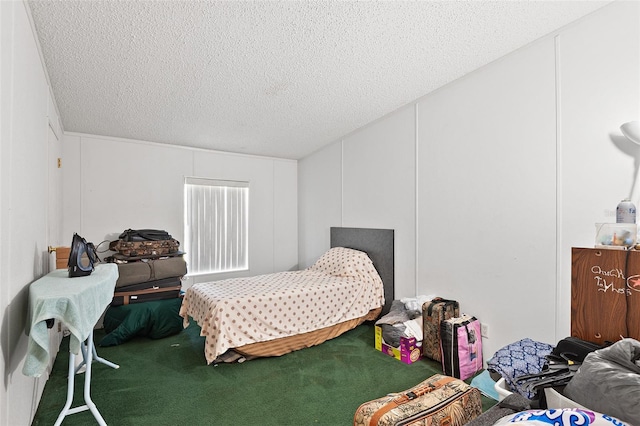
(404, 319)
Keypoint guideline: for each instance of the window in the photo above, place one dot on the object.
(216, 225)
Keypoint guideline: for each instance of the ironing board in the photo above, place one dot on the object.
(78, 303)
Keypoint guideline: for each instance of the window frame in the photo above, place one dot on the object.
(201, 258)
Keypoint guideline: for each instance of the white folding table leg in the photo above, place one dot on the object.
(89, 404)
(87, 384)
(70, 384)
(102, 360)
(83, 347)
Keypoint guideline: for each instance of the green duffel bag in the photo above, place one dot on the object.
(150, 270)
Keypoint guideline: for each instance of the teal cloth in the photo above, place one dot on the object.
(77, 302)
(485, 383)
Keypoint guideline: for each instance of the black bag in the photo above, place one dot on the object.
(82, 257)
(572, 348)
(144, 235)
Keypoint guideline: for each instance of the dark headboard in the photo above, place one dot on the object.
(378, 244)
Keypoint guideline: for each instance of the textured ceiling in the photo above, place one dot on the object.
(279, 79)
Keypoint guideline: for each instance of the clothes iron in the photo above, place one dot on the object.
(82, 257)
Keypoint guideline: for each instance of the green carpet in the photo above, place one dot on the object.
(167, 382)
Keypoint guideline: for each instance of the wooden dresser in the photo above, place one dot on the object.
(605, 294)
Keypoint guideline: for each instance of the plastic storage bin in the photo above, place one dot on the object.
(616, 235)
(501, 388)
(556, 399)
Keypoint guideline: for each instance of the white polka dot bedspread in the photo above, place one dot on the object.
(342, 285)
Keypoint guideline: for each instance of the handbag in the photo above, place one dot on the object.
(82, 257)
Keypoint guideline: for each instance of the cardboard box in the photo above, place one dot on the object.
(408, 352)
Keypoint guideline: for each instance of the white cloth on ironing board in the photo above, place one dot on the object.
(77, 302)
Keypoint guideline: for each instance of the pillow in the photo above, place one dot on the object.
(560, 417)
(343, 262)
(155, 319)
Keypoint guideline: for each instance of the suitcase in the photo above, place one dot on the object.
(144, 248)
(438, 401)
(574, 349)
(167, 288)
(433, 313)
(461, 341)
(150, 270)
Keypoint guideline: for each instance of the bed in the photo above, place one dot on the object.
(271, 315)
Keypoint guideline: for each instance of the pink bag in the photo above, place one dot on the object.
(461, 345)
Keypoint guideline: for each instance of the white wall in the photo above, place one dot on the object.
(487, 193)
(366, 180)
(113, 184)
(319, 201)
(514, 164)
(378, 187)
(26, 114)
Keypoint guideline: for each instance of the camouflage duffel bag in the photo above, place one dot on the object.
(145, 248)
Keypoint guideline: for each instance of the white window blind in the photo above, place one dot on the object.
(216, 225)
